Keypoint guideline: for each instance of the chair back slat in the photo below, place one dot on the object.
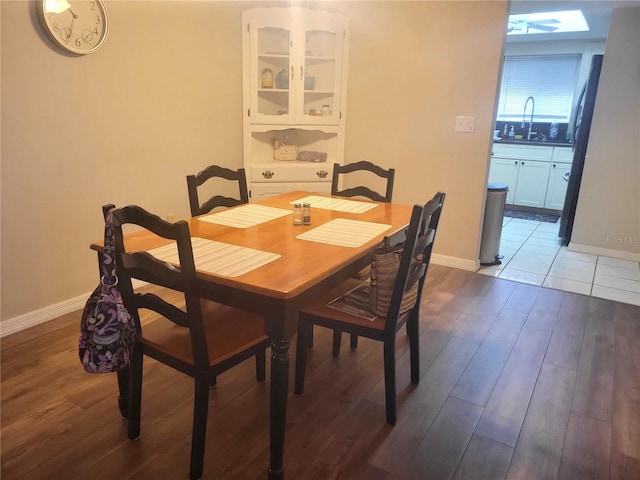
(363, 191)
(216, 171)
(153, 302)
(144, 266)
(415, 275)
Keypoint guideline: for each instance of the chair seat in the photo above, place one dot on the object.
(323, 314)
(229, 331)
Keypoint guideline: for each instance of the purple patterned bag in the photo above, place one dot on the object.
(107, 331)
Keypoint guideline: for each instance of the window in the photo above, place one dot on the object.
(549, 79)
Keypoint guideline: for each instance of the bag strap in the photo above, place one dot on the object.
(108, 267)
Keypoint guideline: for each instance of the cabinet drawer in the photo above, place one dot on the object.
(295, 172)
(523, 152)
(563, 154)
(264, 190)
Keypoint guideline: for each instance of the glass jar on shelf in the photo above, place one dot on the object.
(267, 78)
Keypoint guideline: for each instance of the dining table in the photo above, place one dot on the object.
(254, 257)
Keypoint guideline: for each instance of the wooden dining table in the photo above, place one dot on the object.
(327, 254)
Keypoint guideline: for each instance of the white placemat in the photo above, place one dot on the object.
(337, 204)
(345, 232)
(245, 216)
(217, 257)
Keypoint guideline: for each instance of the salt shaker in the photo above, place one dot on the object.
(306, 213)
(297, 214)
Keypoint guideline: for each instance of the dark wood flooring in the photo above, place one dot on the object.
(517, 382)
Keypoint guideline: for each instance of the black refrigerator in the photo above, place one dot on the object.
(582, 116)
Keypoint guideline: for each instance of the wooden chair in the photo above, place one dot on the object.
(360, 191)
(196, 337)
(363, 191)
(194, 181)
(416, 255)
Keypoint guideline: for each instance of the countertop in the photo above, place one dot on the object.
(547, 143)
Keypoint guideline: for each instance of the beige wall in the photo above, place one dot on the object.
(414, 67)
(163, 98)
(608, 211)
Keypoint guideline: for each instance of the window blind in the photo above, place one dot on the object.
(549, 79)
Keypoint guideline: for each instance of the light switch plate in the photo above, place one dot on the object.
(470, 124)
(461, 124)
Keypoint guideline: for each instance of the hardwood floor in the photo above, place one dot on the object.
(517, 382)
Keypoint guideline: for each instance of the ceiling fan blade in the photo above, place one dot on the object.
(547, 20)
(544, 28)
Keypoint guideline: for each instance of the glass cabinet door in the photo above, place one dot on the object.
(271, 72)
(319, 75)
(295, 70)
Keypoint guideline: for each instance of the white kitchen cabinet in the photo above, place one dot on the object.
(541, 153)
(505, 170)
(534, 173)
(557, 185)
(562, 154)
(531, 187)
(294, 91)
(527, 180)
(524, 169)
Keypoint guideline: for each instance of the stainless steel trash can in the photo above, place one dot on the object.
(492, 226)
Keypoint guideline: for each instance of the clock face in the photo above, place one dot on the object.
(78, 26)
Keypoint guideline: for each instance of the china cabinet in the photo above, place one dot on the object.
(294, 97)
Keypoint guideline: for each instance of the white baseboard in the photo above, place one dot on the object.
(455, 262)
(31, 319)
(605, 252)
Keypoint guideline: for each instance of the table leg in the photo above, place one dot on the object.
(279, 393)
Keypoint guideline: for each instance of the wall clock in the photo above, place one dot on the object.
(76, 26)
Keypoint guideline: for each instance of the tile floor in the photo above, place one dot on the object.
(534, 254)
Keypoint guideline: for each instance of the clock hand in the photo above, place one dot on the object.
(70, 29)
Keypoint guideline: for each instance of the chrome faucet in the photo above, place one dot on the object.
(524, 115)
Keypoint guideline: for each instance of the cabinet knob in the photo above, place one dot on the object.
(267, 174)
(554, 165)
(322, 174)
(522, 163)
(515, 163)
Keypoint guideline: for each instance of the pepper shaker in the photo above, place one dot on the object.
(306, 213)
